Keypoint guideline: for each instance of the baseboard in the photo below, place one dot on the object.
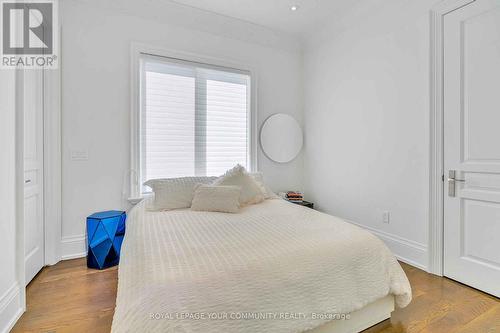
(10, 308)
(73, 247)
(406, 250)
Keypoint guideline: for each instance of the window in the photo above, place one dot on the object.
(194, 119)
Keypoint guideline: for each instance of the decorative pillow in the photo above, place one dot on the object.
(268, 193)
(251, 191)
(174, 193)
(210, 198)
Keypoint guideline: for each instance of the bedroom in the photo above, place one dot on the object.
(356, 106)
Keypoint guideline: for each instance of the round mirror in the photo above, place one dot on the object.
(281, 138)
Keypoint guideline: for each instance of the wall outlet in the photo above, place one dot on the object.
(386, 216)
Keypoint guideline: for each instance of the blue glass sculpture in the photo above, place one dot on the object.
(105, 231)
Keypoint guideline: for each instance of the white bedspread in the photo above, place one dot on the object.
(180, 269)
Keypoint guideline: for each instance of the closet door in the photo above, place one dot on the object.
(472, 145)
(33, 172)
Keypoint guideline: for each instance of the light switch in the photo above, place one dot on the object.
(79, 155)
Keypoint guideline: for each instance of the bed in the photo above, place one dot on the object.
(273, 267)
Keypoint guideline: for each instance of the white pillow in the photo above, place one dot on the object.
(174, 193)
(212, 198)
(251, 191)
(268, 193)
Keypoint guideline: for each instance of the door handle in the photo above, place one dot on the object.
(27, 181)
(452, 181)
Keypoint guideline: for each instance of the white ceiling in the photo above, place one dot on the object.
(276, 14)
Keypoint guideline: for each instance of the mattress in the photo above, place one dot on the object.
(273, 267)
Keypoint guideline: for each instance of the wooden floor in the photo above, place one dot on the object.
(68, 297)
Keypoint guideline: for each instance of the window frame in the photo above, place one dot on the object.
(138, 51)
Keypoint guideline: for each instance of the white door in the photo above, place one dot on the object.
(33, 172)
(472, 145)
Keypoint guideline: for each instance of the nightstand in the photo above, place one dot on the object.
(304, 203)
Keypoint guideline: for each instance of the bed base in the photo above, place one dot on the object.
(360, 320)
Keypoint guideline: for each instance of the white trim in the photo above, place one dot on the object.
(52, 165)
(406, 250)
(135, 123)
(20, 238)
(73, 247)
(135, 52)
(11, 308)
(436, 172)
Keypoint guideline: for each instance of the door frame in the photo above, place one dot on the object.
(52, 164)
(52, 168)
(436, 167)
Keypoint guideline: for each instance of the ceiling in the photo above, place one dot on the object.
(276, 14)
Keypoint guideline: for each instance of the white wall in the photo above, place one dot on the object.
(96, 42)
(10, 295)
(366, 117)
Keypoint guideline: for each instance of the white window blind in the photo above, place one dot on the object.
(194, 118)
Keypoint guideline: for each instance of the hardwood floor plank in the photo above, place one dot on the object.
(488, 322)
(69, 297)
